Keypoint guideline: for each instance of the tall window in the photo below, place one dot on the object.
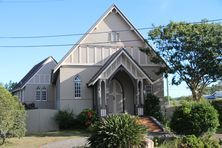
(41, 94)
(44, 94)
(77, 87)
(148, 89)
(38, 94)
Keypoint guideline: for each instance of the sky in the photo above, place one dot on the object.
(53, 17)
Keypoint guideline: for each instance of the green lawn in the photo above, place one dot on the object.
(36, 140)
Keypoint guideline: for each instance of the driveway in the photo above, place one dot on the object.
(70, 143)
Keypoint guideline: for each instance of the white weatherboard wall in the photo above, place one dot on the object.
(41, 120)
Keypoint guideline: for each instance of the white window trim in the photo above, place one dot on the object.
(113, 37)
(80, 91)
(38, 89)
(46, 94)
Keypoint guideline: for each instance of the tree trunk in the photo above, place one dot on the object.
(195, 94)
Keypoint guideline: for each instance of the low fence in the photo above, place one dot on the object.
(41, 120)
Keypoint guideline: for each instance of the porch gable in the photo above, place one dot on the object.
(124, 59)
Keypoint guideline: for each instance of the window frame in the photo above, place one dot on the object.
(77, 87)
(39, 91)
(148, 88)
(44, 89)
(113, 36)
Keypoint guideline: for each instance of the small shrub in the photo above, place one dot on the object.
(152, 107)
(118, 131)
(194, 118)
(191, 141)
(65, 119)
(217, 104)
(87, 117)
(171, 143)
(209, 142)
(29, 106)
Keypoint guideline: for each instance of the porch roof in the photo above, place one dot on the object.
(93, 80)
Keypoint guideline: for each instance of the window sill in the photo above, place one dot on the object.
(78, 98)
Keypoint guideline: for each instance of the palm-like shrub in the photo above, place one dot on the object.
(117, 131)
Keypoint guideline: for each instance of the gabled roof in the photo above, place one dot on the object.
(92, 28)
(108, 62)
(31, 73)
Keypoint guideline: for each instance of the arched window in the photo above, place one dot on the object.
(44, 94)
(38, 94)
(77, 87)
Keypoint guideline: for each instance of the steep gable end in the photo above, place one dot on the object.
(110, 33)
(29, 76)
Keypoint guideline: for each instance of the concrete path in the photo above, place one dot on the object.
(70, 143)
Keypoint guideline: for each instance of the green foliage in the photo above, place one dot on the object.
(118, 131)
(12, 116)
(210, 142)
(152, 107)
(217, 104)
(190, 141)
(211, 89)
(194, 118)
(192, 51)
(186, 98)
(10, 85)
(87, 117)
(171, 143)
(29, 106)
(65, 119)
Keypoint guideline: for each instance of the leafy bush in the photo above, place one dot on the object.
(194, 118)
(12, 116)
(209, 142)
(87, 117)
(29, 106)
(152, 107)
(118, 131)
(65, 119)
(217, 104)
(190, 141)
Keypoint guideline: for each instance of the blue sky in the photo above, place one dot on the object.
(51, 17)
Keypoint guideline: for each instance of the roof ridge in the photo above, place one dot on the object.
(31, 72)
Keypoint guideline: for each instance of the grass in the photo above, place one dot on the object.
(37, 140)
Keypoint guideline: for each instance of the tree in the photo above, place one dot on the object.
(192, 52)
(9, 86)
(12, 116)
(211, 89)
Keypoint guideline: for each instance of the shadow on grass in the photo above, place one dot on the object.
(62, 133)
(219, 130)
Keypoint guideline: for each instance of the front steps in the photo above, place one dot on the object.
(152, 124)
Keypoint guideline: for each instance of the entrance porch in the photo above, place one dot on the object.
(118, 87)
